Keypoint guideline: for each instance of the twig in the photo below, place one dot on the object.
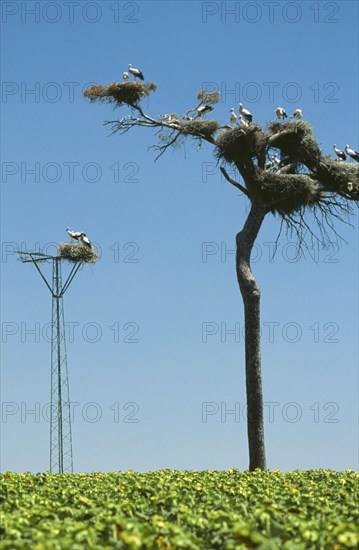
(236, 184)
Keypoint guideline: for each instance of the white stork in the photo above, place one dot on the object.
(280, 113)
(350, 187)
(203, 109)
(273, 163)
(245, 113)
(243, 123)
(125, 75)
(85, 240)
(136, 72)
(170, 118)
(76, 235)
(340, 154)
(276, 160)
(298, 114)
(269, 164)
(353, 154)
(232, 117)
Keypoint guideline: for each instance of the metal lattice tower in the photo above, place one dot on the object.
(60, 413)
(60, 424)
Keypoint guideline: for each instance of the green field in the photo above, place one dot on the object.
(172, 509)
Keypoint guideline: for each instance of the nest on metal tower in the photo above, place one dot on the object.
(120, 93)
(74, 252)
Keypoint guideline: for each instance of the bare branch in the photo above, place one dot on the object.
(163, 148)
(233, 182)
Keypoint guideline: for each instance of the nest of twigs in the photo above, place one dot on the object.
(208, 97)
(287, 192)
(302, 176)
(241, 146)
(198, 128)
(340, 177)
(74, 252)
(120, 93)
(296, 141)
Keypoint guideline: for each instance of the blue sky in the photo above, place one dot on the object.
(150, 321)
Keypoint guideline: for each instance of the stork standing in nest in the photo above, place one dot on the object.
(80, 236)
(203, 109)
(340, 154)
(85, 241)
(245, 113)
(243, 123)
(136, 72)
(353, 154)
(280, 113)
(232, 117)
(75, 235)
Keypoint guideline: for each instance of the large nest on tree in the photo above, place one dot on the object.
(120, 93)
(287, 192)
(74, 252)
(241, 145)
(285, 172)
(231, 144)
(300, 176)
(296, 141)
(199, 128)
(340, 177)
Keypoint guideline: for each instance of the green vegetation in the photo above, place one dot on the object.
(180, 510)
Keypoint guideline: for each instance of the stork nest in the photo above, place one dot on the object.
(241, 145)
(74, 252)
(208, 97)
(198, 128)
(120, 93)
(288, 193)
(296, 141)
(340, 177)
(304, 175)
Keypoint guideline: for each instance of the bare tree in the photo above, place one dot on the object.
(284, 173)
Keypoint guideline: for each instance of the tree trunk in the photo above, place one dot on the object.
(251, 299)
